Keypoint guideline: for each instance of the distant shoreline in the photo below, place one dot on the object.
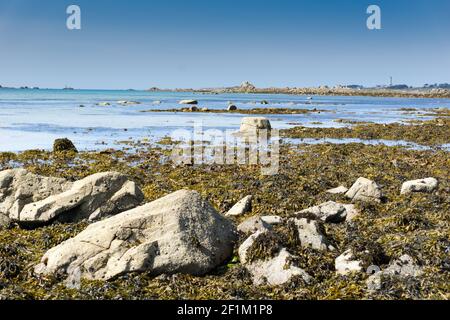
(409, 93)
(429, 93)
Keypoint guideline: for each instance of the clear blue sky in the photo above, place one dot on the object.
(212, 43)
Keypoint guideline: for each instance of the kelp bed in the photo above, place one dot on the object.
(416, 224)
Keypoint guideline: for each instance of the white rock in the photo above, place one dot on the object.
(402, 267)
(422, 185)
(276, 271)
(188, 102)
(126, 102)
(103, 104)
(331, 211)
(5, 221)
(272, 220)
(364, 190)
(310, 234)
(241, 207)
(92, 198)
(345, 263)
(179, 233)
(352, 212)
(18, 187)
(253, 224)
(338, 190)
(253, 124)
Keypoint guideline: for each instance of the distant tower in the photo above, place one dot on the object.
(390, 82)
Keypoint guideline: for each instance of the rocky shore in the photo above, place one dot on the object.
(326, 91)
(347, 221)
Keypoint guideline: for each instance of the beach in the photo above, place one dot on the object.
(326, 142)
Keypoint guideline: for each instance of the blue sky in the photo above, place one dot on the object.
(201, 43)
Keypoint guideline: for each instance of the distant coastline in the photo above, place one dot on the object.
(397, 91)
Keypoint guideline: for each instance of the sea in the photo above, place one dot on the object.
(34, 118)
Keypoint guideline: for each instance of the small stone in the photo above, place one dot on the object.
(252, 225)
(5, 221)
(402, 267)
(338, 190)
(188, 102)
(421, 185)
(310, 235)
(345, 263)
(103, 104)
(232, 108)
(272, 220)
(365, 190)
(241, 207)
(328, 212)
(253, 124)
(276, 271)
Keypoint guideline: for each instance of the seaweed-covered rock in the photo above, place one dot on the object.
(310, 234)
(253, 124)
(19, 187)
(365, 190)
(253, 225)
(421, 185)
(64, 145)
(247, 244)
(92, 198)
(241, 207)
(346, 263)
(179, 233)
(402, 267)
(275, 267)
(332, 212)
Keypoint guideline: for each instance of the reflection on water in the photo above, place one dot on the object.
(31, 119)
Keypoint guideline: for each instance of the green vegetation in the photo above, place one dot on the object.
(431, 133)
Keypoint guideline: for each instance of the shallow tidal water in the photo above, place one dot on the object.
(32, 119)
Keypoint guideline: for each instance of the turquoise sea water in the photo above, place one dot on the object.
(32, 119)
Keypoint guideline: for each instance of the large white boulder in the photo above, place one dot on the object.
(19, 187)
(179, 233)
(421, 185)
(94, 197)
